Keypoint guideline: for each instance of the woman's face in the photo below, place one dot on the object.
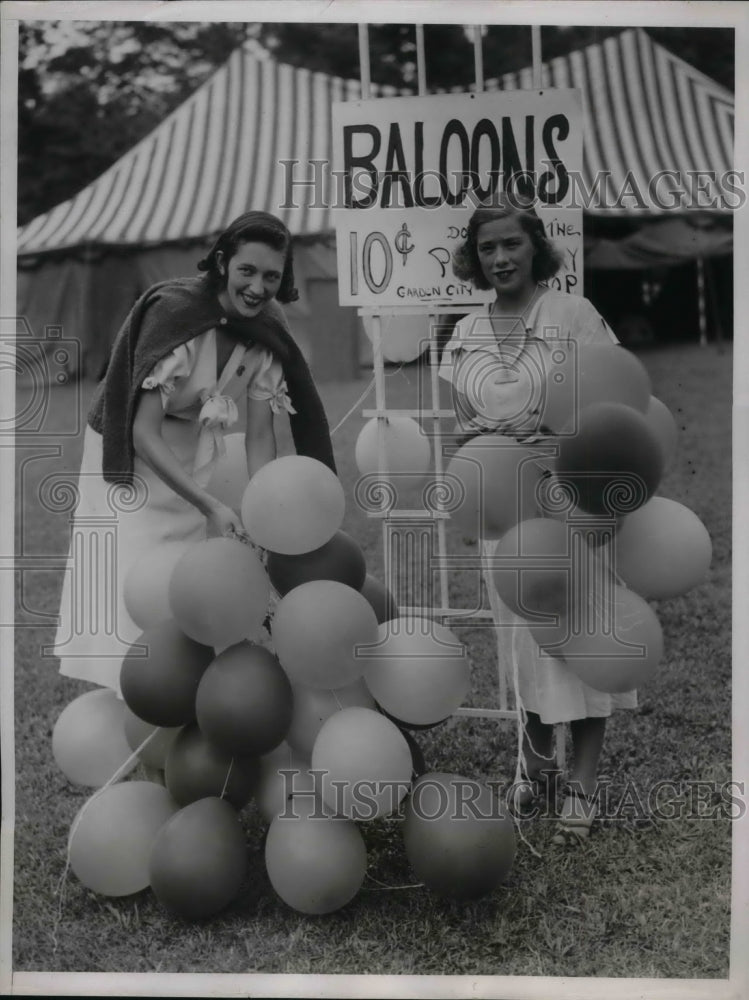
(506, 253)
(253, 276)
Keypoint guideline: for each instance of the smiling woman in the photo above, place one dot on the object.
(190, 349)
(495, 362)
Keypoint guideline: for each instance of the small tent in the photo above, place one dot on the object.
(256, 125)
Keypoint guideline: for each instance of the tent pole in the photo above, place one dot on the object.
(364, 71)
(701, 301)
(421, 70)
(712, 297)
(378, 359)
(536, 51)
(478, 58)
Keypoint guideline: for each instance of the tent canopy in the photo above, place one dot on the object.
(222, 151)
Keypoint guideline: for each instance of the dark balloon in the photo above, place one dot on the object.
(341, 559)
(197, 769)
(244, 701)
(199, 859)
(160, 687)
(613, 463)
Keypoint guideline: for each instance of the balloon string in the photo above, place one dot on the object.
(381, 885)
(522, 718)
(361, 399)
(121, 770)
(226, 781)
(356, 405)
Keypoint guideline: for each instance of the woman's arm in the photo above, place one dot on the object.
(156, 453)
(260, 438)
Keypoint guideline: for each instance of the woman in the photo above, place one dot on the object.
(189, 350)
(493, 361)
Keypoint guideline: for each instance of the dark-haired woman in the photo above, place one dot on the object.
(495, 362)
(189, 351)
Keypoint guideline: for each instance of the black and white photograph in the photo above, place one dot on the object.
(374, 445)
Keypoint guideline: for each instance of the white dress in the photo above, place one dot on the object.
(473, 359)
(114, 526)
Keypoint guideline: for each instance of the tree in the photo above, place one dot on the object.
(81, 109)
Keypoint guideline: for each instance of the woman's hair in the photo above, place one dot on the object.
(253, 227)
(546, 258)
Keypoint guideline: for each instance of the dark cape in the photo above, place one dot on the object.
(169, 314)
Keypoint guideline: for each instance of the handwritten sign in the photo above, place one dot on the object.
(411, 170)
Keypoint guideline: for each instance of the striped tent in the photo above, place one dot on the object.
(645, 110)
(256, 125)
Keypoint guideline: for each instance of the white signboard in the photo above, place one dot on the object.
(409, 172)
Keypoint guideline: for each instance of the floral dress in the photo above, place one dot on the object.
(115, 526)
(473, 361)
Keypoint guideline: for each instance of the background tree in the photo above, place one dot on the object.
(87, 97)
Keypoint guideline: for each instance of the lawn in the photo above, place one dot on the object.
(647, 896)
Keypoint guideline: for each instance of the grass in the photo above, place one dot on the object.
(646, 897)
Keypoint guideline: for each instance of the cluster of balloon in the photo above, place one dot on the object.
(581, 575)
(232, 717)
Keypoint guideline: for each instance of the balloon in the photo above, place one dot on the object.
(196, 769)
(316, 865)
(496, 483)
(418, 671)
(244, 701)
(88, 741)
(282, 774)
(317, 629)
(229, 476)
(619, 646)
(663, 425)
(160, 687)
(219, 592)
(531, 566)
(199, 859)
(313, 707)
(366, 763)
(339, 559)
(459, 839)
(662, 550)
(136, 731)
(292, 505)
(111, 837)
(613, 463)
(146, 584)
(403, 336)
(406, 446)
(579, 376)
(380, 598)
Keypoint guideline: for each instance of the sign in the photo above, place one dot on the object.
(409, 172)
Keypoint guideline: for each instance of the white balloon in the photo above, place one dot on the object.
(407, 448)
(146, 585)
(88, 741)
(404, 337)
(293, 505)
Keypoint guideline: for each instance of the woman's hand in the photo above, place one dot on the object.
(223, 522)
